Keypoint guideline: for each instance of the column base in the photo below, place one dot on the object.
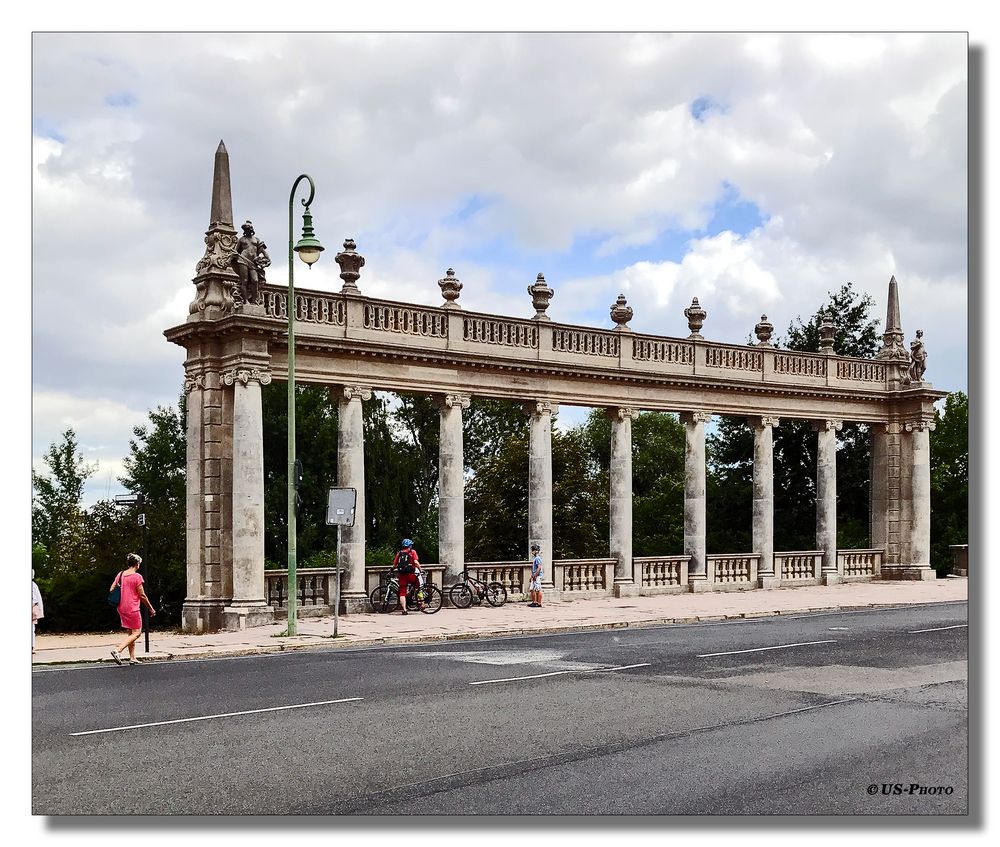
(626, 589)
(832, 578)
(699, 583)
(354, 603)
(768, 580)
(202, 616)
(238, 616)
(917, 571)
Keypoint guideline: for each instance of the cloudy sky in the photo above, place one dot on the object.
(756, 172)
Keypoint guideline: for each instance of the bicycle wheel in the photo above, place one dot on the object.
(376, 597)
(496, 594)
(391, 600)
(432, 599)
(461, 595)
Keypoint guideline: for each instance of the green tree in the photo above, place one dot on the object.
(156, 467)
(56, 503)
(949, 479)
(730, 451)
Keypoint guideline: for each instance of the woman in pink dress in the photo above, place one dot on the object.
(133, 595)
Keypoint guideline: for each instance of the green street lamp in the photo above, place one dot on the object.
(308, 249)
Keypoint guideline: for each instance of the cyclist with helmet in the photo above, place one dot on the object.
(406, 563)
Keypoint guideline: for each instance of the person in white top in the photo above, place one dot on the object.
(37, 610)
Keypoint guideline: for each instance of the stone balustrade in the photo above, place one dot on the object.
(859, 564)
(662, 574)
(584, 575)
(733, 571)
(959, 559)
(799, 565)
(315, 594)
(435, 329)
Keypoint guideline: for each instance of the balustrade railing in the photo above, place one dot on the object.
(799, 564)
(514, 576)
(501, 332)
(591, 342)
(433, 574)
(315, 587)
(734, 358)
(649, 349)
(859, 562)
(309, 308)
(662, 571)
(408, 320)
(799, 364)
(583, 574)
(860, 370)
(741, 567)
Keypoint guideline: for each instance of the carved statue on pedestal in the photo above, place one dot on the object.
(249, 262)
(918, 358)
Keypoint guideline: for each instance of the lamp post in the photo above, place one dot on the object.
(308, 249)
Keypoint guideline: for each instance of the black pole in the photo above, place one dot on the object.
(145, 560)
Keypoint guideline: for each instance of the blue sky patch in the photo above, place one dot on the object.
(703, 106)
(122, 99)
(44, 128)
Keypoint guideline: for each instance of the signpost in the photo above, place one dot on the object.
(140, 501)
(340, 512)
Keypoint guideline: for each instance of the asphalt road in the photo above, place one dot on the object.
(804, 715)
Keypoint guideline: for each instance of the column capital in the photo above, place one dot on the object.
(827, 426)
(193, 381)
(622, 412)
(245, 375)
(695, 417)
(761, 421)
(451, 400)
(357, 392)
(920, 425)
(540, 407)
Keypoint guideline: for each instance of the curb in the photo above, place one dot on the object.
(327, 641)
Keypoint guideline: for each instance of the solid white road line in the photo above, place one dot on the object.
(759, 649)
(222, 715)
(939, 628)
(557, 673)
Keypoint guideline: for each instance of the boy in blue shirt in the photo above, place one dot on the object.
(535, 587)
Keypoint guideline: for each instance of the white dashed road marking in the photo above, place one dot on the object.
(558, 673)
(759, 649)
(939, 628)
(223, 715)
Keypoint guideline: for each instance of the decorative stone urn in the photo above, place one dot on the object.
(621, 313)
(450, 287)
(541, 294)
(827, 331)
(351, 264)
(764, 330)
(696, 318)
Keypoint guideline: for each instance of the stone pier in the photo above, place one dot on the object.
(351, 474)
(694, 498)
(626, 583)
(451, 488)
(763, 499)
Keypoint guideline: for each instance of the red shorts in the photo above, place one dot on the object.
(405, 579)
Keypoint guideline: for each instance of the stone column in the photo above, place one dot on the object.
(248, 606)
(540, 483)
(351, 474)
(626, 583)
(451, 488)
(920, 528)
(199, 613)
(694, 498)
(763, 499)
(826, 497)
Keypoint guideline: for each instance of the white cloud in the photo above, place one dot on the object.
(851, 145)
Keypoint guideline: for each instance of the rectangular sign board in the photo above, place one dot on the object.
(340, 506)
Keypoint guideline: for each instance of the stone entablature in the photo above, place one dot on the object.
(334, 329)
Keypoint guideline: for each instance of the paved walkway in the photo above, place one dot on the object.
(511, 619)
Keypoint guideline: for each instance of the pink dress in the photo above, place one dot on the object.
(128, 609)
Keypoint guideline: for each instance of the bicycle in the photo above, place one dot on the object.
(471, 590)
(385, 596)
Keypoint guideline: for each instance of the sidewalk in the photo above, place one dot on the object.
(511, 619)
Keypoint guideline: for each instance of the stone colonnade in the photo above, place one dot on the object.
(225, 503)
